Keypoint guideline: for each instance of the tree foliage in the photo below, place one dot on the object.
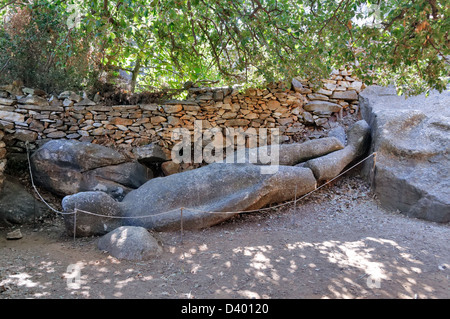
(175, 42)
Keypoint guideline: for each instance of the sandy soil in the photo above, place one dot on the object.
(336, 244)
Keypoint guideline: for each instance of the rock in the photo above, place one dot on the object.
(17, 206)
(14, 235)
(339, 133)
(66, 167)
(175, 108)
(330, 165)
(349, 95)
(324, 92)
(12, 116)
(169, 168)
(121, 121)
(150, 154)
(237, 122)
(34, 92)
(218, 95)
(85, 102)
(229, 115)
(211, 194)
(356, 85)
(87, 224)
(321, 121)
(158, 119)
(13, 89)
(308, 118)
(68, 103)
(53, 100)
(317, 96)
(296, 84)
(7, 102)
(116, 180)
(289, 154)
(322, 106)
(71, 96)
(130, 243)
(174, 121)
(83, 156)
(73, 136)
(97, 97)
(273, 105)
(34, 100)
(56, 134)
(7, 108)
(411, 138)
(25, 135)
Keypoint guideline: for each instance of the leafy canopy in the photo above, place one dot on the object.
(175, 42)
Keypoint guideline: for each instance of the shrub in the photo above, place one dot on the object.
(38, 48)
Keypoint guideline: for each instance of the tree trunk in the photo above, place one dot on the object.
(136, 69)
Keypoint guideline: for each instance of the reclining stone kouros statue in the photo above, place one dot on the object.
(216, 192)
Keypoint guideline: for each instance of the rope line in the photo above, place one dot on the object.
(37, 192)
(77, 210)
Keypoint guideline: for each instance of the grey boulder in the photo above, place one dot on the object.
(80, 209)
(211, 194)
(339, 133)
(66, 167)
(411, 139)
(17, 206)
(150, 154)
(329, 166)
(130, 243)
(289, 154)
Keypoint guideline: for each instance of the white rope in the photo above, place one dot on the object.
(192, 209)
(37, 192)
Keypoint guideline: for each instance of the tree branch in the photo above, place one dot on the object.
(8, 4)
(4, 67)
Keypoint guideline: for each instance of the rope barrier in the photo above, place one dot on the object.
(37, 192)
(77, 210)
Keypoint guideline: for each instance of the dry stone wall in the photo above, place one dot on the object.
(33, 116)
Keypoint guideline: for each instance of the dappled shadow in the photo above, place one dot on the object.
(355, 256)
(366, 268)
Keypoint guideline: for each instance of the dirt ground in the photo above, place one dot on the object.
(337, 243)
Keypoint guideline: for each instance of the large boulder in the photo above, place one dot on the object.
(150, 154)
(329, 166)
(67, 167)
(211, 194)
(208, 196)
(289, 154)
(84, 214)
(17, 206)
(130, 243)
(411, 138)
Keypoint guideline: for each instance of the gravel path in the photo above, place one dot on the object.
(337, 243)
